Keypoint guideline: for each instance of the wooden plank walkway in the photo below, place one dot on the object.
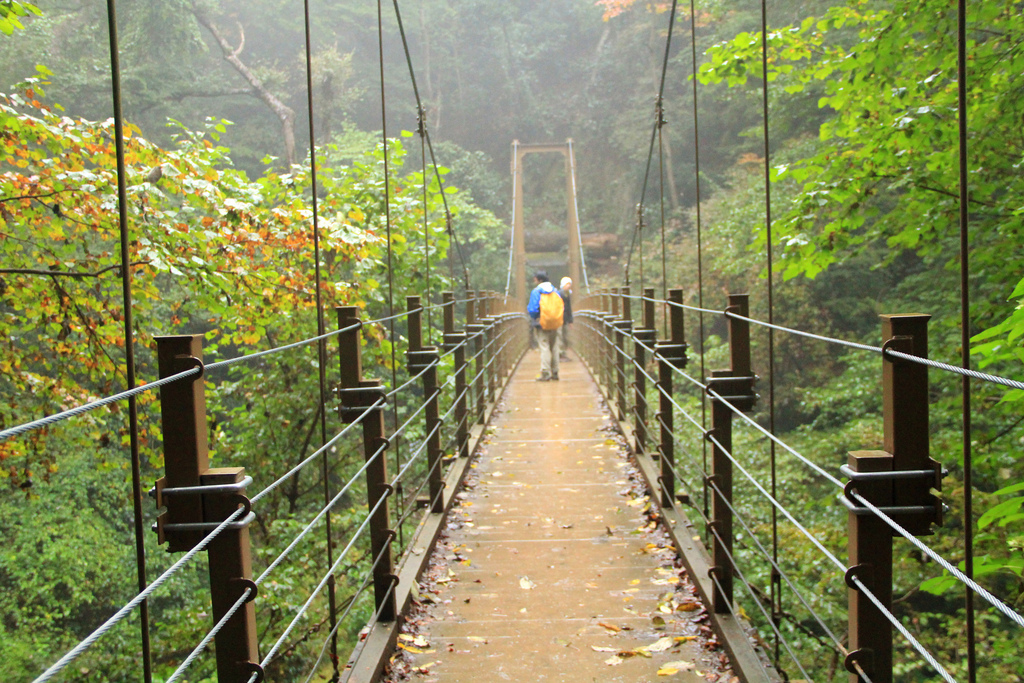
(551, 570)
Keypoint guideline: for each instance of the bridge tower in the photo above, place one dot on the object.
(575, 253)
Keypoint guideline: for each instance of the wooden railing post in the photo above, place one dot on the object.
(671, 355)
(643, 339)
(897, 480)
(198, 499)
(357, 396)
(474, 331)
(735, 386)
(623, 328)
(454, 341)
(420, 358)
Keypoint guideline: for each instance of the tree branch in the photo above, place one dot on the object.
(283, 112)
(74, 274)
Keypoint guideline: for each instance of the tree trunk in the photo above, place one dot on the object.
(284, 113)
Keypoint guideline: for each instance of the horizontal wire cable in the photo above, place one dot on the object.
(84, 408)
(781, 508)
(323, 582)
(966, 372)
(280, 480)
(764, 552)
(993, 600)
(902, 629)
(323, 512)
(431, 364)
(367, 575)
(85, 644)
(209, 637)
(750, 591)
(809, 335)
(817, 468)
(278, 349)
(415, 455)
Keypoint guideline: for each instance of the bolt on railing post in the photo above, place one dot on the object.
(898, 480)
(191, 513)
(671, 354)
(454, 340)
(358, 395)
(643, 339)
(735, 385)
(424, 359)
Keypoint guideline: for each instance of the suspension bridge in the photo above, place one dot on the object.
(586, 529)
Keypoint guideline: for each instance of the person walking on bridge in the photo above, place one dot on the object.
(545, 309)
(565, 289)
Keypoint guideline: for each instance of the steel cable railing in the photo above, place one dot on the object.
(1002, 607)
(208, 367)
(496, 347)
(367, 576)
(902, 629)
(122, 613)
(319, 587)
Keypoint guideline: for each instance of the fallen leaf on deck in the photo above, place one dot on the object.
(599, 648)
(659, 645)
(610, 627)
(614, 660)
(670, 668)
(477, 639)
(525, 583)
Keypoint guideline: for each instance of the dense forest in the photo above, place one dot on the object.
(862, 101)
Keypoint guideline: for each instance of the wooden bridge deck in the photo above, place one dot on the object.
(551, 569)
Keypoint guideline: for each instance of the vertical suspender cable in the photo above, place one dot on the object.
(576, 209)
(965, 333)
(387, 219)
(776, 582)
(700, 246)
(129, 335)
(425, 133)
(512, 241)
(422, 128)
(321, 345)
(661, 188)
(650, 151)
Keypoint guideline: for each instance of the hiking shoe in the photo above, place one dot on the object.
(544, 378)
(555, 377)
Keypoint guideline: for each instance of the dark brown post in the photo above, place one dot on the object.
(474, 331)
(643, 339)
(358, 395)
(454, 341)
(198, 499)
(623, 329)
(897, 480)
(671, 354)
(735, 386)
(424, 359)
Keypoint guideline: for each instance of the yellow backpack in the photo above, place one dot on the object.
(551, 309)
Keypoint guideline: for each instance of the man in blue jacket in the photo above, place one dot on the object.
(549, 340)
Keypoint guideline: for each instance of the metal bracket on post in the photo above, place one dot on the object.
(359, 396)
(671, 354)
(735, 386)
(899, 481)
(198, 499)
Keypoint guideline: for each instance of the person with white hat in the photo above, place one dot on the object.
(565, 290)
